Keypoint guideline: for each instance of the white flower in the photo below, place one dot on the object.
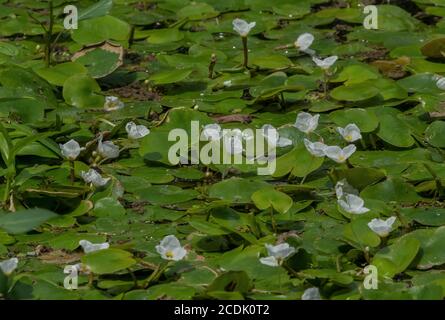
(338, 154)
(113, 104)
(441, 83)
(326, 63)
(170, 249)
(303, 43)
(91, 247)
(136, 131)
(306, 122)
(92, 176)
(233, 141)
(8, 266)
(352, 204)
(343, 187)
(350, 133)
(315, 148)
(273, 138)
(227, 83)
(382, 227)
(211, 132)
(107, 149)
(311, 294)
(277, 254)
(242, 27)
(71, 149)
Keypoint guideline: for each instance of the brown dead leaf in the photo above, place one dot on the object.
(243, 118)
(394, 69)
(60, 257)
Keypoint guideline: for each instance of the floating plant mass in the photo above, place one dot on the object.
(197, 150)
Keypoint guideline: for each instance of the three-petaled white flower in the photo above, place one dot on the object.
(352, 204)
(233, 142)
(273, 138)
(107, 149)
(8, 266)
(212, 132)
(93, 177)
(71, 149)
(303, 43)
(382, 227)
(315, 148)
(325, 64)
(343, 187)
(88, 246)
(243, 27)
(350, 133)
(311, 294)
(113, 104)
(136, 131)
(338, 154)
(170, 249)
(277, 254)
(440, 83)
(306, 122)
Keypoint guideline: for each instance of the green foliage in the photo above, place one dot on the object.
(168, 63)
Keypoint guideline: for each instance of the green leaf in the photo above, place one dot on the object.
(82, 91)
(24, 220)
(435, 134)
(58, 74)
(365, 119)
(431, 245)
(108, 261)
(395, 258)
(237, 190)
(354, 92)
(173, 76)
(100, 29)
(96, 10)
(269, 197)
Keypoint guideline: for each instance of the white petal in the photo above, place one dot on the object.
(315, 148)
(284, 142)
(280, 251)
(113, 104)
(71, 149)
(441, 83)
(304, 41)
(349, 150)
(136, 131)
(91, 247)
(269, 261)
(306, 123)
(211, 132)
(107, 149)
(311, 294)
(335, 153)
(242, 27)
(8, 266)
(92, 176)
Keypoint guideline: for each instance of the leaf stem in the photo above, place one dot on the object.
(246, 52)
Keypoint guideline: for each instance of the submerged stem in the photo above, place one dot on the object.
(246, 52)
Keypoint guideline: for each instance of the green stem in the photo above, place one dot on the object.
(325, 84)
(246, 52)
(72, 172)
(7, 191)
(272, 218)
(49, 35)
